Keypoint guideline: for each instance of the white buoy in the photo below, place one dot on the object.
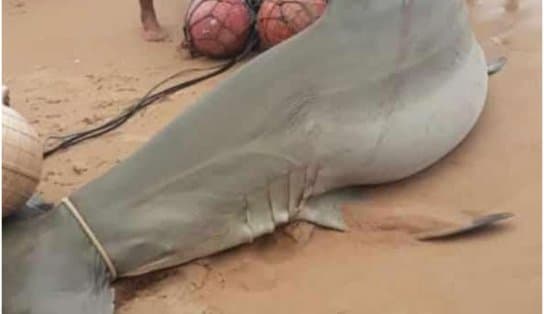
(21, 160)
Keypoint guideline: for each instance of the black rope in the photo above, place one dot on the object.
(149, 98)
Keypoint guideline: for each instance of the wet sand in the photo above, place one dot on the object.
(71, 64)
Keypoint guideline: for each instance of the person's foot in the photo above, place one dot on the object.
(152, 31)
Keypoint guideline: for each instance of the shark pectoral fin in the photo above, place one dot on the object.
(474, 224)
(420, 221)
(326, 210)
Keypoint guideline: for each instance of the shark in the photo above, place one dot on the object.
(374, 92)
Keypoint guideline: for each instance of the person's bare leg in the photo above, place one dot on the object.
(152, 31)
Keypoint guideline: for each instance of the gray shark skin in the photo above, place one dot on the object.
(374, 92)
(49, 267)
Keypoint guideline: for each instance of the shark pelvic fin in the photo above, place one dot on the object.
(326, 210)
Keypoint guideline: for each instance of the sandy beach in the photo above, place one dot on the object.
(73, 64)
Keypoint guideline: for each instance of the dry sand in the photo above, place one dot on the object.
(71, 64)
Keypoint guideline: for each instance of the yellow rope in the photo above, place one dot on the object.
(90, 234)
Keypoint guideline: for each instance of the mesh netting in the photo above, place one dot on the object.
(218, 28)
(254, 4)
(280, 19)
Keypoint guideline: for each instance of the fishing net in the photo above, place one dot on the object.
(217, 28)
(280, 19)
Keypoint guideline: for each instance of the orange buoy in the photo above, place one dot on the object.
(217, 28)
(278, 20)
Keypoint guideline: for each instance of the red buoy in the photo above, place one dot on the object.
(280, 19)
(217, 28)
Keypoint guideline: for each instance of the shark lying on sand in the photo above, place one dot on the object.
(373, 92)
